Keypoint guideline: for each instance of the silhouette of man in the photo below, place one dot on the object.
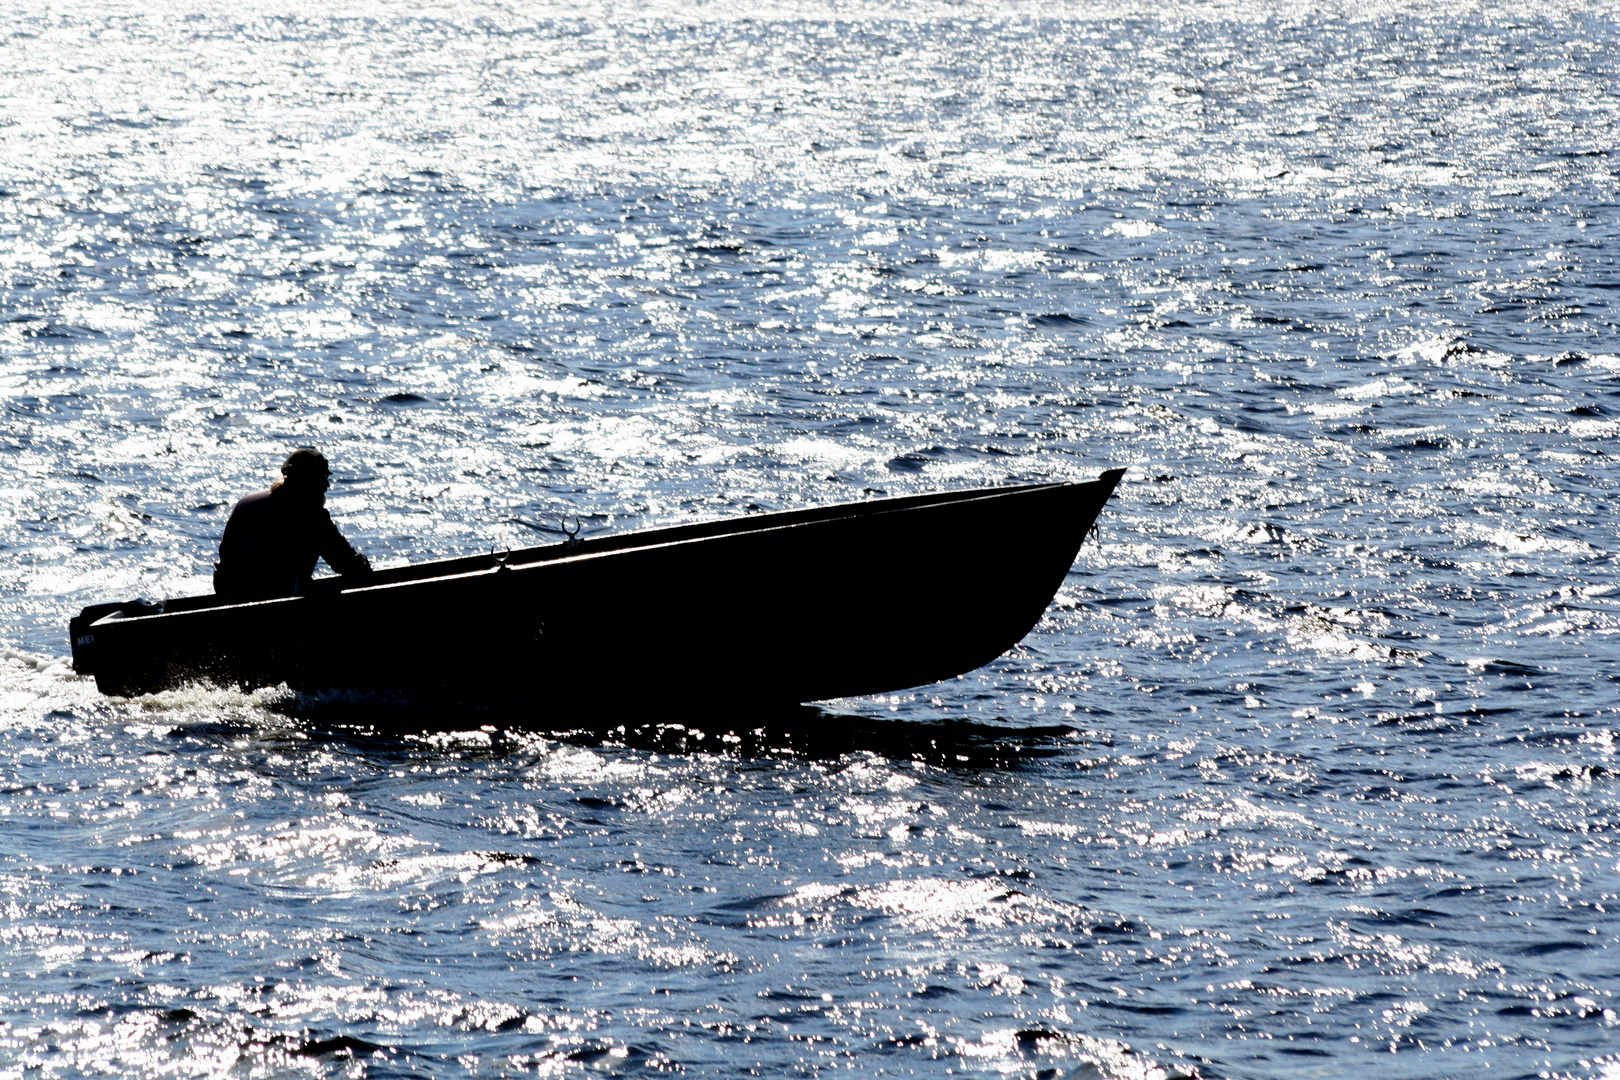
(274, 538)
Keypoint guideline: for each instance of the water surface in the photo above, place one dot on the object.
(1310, 767)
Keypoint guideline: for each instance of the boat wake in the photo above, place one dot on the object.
(36, 689)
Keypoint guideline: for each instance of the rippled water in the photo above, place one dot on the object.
(1310, 769)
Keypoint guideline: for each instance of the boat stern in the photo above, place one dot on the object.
(83, 636)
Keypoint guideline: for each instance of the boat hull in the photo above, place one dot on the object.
(773, 609)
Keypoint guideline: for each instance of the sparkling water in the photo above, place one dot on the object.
(1309, 769)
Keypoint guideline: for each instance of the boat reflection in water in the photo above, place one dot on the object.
(775, 609)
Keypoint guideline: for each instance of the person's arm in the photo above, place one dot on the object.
(339, 554)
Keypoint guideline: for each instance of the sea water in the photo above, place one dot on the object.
(1308, 770)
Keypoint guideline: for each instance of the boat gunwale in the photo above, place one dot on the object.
(870, 509)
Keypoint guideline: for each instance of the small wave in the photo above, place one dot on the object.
(1452, 350)
(1524, 543)
(1133, 229)
(1380, 388)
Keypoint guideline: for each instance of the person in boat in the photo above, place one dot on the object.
(274, 538)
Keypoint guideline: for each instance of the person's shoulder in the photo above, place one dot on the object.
(249, 503)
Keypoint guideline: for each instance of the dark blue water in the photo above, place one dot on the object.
(1310, 768)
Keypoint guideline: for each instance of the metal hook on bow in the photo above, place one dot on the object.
(573, 535)
(500, 560)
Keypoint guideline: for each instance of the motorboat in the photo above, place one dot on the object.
(772, 608)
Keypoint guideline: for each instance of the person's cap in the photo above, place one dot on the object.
(305, 462)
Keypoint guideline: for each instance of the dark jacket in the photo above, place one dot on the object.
(272, 542)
